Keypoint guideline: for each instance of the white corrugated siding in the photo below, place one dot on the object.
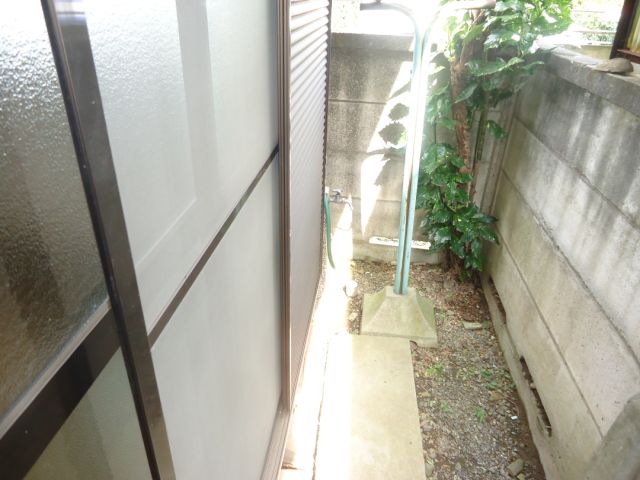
(309, 26)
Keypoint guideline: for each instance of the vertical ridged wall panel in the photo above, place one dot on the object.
(309, 37)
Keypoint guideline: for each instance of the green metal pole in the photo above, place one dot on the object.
(415, 129)
(416, 151)
(401, 265)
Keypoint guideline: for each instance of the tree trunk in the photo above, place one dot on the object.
(460, 112)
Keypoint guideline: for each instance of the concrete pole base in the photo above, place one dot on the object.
(408, 316)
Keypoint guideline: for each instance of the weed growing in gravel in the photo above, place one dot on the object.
(481, 414)
(486, 373)
(436, 369)
(445, 407)
(492, 385)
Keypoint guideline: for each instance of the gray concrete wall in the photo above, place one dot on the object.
(367, 78)
(568, 267)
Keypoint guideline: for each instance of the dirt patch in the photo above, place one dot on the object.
(473, 424)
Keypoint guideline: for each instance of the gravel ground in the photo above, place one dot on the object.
(473, 424)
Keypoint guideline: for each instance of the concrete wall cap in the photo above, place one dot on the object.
(391, 43)
(621, 90)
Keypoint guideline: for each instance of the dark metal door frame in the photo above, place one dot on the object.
(284, 127)
(117, 323)
(47, 404)
(70, 43)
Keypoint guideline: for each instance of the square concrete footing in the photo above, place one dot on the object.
(408, 316)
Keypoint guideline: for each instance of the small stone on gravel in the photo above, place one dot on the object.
(515, 467)
(429, 467)
(496, 396)
(472, 325)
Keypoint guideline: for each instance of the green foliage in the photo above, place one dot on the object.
(451, 220)
(503, 46)
(445, 407)
(481, 414)
(601, 15)
(485, 373)
(492, 54)
(492, 385)
(436, 369)
(508, 34)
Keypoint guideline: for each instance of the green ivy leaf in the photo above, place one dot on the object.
(495, 129)
(500, 38)
(442, 235)
(467, 92)
(473, 33)
(446, 122)
(499, 67)
(457, 161)
(479, 68)
(514, 61)
(514, 5)
(439, 91)
(457, 247)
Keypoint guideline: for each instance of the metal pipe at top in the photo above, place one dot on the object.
(418, 127)
(401, 265)
(415, 128)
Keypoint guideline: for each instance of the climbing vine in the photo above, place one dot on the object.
(486, 57)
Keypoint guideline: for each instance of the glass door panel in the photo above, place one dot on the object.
(66, 406)
(101, 439)
(51, 279)
(189, 94)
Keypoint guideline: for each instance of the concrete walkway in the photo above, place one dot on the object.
(355, 414)
(369, 427)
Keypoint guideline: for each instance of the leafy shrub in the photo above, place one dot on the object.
(487, 57)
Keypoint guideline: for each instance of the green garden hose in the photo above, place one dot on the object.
(327, 221)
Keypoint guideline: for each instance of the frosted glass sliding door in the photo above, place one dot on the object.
(66, 404)
(190, 98)
(189, 93)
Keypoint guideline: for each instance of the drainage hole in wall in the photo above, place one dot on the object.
(496, 296)
(543, 418)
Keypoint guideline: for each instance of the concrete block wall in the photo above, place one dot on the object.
(369, 75)
(567, 269)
